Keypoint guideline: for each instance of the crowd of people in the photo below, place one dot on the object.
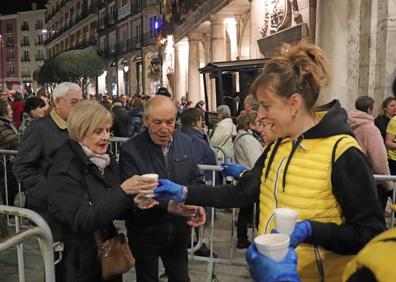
(282, 149)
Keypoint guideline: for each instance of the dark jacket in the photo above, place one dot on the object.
(140, 155)
(8, 135)
(203, 153)
(32, 162)
(135, 121)
(82, 201)
(352, 183)
(382, 122)
(120, 123)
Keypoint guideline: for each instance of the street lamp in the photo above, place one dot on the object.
(126, 69)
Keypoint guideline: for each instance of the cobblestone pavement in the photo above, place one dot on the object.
(198, 269)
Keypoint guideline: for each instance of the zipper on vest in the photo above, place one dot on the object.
(319, 263)
(276, 184)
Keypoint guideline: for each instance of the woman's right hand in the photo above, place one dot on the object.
(139, 185)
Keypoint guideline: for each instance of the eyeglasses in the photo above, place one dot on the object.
(73, 101)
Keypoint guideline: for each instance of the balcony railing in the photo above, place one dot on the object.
(9, 44)
(198, 16)
(10, 59)
(40, 58)
(25, 43)
(11, 74)
(25, 59)
(136, 7)
(39, 42)
(38, 26)
(149, 38)
(85, 12)
(26, 75)
(24, 27)
(150, 2)
(130, 45)
(134, 43)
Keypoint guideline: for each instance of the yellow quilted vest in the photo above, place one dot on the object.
(379, 255)
(308, 190)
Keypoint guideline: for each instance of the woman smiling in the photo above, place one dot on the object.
(315, 166)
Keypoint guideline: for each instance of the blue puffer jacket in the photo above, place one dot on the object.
(135, 121)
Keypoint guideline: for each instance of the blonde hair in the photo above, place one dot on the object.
(85, 117)
(300, 68)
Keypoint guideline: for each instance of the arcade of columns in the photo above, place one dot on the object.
(358, 37)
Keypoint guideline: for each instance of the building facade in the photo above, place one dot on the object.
(31, 37)
(356, 35)
(124, 33)
(127, 34)
(9, 53)
(71, 24)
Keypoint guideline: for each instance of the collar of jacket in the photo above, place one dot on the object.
(332, 121)
(148, 137)
(60, 122)
(78, 151)
(192, 131)
(5, 120)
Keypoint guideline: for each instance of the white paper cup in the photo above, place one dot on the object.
(285, 220)
(274, 246)
(152, 176)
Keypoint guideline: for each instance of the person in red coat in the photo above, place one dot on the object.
(17, 108)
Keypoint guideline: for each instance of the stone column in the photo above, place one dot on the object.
(333, 30)
(133, 81)
(181, 53)
(358, 37)
(206, 45)
(257, 11)
(193, 66)
(218, 43)
(238, 19)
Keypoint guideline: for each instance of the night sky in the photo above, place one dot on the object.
(13, 6)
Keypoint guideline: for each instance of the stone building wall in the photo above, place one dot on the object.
(359, 39)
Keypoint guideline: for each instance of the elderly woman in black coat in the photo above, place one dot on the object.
(85, 194)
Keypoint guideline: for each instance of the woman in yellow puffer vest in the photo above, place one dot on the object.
(315, 166)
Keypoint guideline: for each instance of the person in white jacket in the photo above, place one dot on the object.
(247, 149)
(222, 135)
(369, 137)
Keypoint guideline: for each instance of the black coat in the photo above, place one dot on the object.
(120, 123)
(82, 201)
(40, 140)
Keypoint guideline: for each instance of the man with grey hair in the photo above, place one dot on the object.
(161, 231)
(39, 141)
(250, 103)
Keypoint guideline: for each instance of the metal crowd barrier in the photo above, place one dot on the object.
(211, 260)
(382, 178)
(41, 231)
(115, 144)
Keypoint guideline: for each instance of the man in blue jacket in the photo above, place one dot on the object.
(161, 231)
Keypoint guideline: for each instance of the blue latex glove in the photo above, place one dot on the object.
(232, 169)
(302, 231)
(168, 190)
(264, 269)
